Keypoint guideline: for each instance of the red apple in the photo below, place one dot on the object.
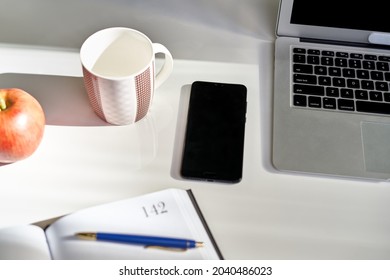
(22, 124)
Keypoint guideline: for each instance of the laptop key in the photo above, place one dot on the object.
(338, 82)
(348, 73)
(361, 94)
(382, 66)
(327, 61)
(341, 62)
(324, 80)
(328, 53)
(356, 55)
(369, 65)
(353, 83)
(372, 107)
(305, 79)
(362, 74)
(376, 75)
(342, 54)
(314, 102)
(314, 51)
(309, 89)
(320, 70)
(367, 84)
(346, 104)
(370, 57)
(354, 63)
(332, 91)
(381, 86)
(386, 96)
(376, 96)
(299, 50)
(346, 93)
(303, 68)
(313, 59)
(384, 58)
(329, 103)
(300, 100)
(334, 71)
(299, 58)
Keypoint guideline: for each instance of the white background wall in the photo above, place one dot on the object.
(216, 30)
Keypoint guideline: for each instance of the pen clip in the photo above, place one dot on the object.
(171, 249)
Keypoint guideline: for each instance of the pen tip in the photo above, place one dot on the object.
(199, 244)
(86, 235)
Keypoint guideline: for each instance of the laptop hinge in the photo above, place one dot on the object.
(345, 43)
(379, 38)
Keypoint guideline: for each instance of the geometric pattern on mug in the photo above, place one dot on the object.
(92, 87)
(117, 100)
(143, 84)
(120, 98)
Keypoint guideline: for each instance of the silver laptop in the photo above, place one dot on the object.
(332, 88)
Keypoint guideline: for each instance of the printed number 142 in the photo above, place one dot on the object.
(155, 209)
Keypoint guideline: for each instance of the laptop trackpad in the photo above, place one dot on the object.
(376, 146)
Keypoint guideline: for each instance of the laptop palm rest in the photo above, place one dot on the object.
(376, 146)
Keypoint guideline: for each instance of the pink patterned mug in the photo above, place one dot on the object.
(119, 73)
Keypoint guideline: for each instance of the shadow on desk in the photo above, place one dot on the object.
(63, 99)
(180, 132)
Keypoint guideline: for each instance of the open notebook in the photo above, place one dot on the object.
(168, 213)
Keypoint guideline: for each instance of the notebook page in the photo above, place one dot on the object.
(159, 214)
(26, 242)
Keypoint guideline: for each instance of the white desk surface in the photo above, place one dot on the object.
(268, 215)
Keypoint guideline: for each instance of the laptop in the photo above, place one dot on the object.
(332, 89)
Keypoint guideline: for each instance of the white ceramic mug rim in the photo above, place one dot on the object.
(83, 50)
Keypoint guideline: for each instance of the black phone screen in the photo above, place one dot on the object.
(214, 139)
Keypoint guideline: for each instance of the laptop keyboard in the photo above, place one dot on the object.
(341, 81)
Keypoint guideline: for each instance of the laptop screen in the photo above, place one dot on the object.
(353, 21)
(363, 15)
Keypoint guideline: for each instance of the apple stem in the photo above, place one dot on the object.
(3, 105)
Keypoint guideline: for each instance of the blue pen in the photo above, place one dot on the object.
(148, 241)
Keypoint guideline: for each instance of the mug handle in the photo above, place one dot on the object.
(167, 68)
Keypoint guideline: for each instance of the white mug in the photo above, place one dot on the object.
(119, 73)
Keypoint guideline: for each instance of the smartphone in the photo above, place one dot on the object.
(214, 139)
